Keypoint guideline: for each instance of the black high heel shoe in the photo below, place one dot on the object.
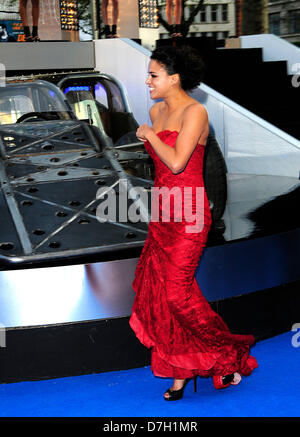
(175, 31)
(175, 395)
(171, 30)
(113, 31)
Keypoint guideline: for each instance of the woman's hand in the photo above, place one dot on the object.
(143, 132)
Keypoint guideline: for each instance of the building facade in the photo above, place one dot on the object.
(215, 19)
(284, 19)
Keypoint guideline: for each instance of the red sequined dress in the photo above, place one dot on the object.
(170, 315)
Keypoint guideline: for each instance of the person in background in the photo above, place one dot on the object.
(110, 32)
(30, 36)
(175, 28)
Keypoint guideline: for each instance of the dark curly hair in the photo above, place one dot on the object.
(184, 61)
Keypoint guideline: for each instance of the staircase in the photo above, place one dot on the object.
(264, 88)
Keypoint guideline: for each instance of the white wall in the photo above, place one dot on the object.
(127, 62)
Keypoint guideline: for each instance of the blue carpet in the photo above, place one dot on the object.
(271, 391)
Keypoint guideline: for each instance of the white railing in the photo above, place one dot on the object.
(249, 144)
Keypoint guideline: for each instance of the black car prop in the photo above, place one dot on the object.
(67, 144)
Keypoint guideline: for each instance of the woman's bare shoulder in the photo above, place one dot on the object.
(195, 108)
(195, 120)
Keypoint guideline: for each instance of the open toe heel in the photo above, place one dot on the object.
(175, 395)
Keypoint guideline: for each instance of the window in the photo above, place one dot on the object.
(11, 108)
(224, 12)
(101, 94)
(274, 23)
(214, 12)
(294, 21)
(18, 99)
(203, 15)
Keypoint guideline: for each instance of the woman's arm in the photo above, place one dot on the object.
(195, 122)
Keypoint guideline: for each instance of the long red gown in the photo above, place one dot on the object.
(170, 315)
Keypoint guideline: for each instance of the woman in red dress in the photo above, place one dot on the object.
(170, 315)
